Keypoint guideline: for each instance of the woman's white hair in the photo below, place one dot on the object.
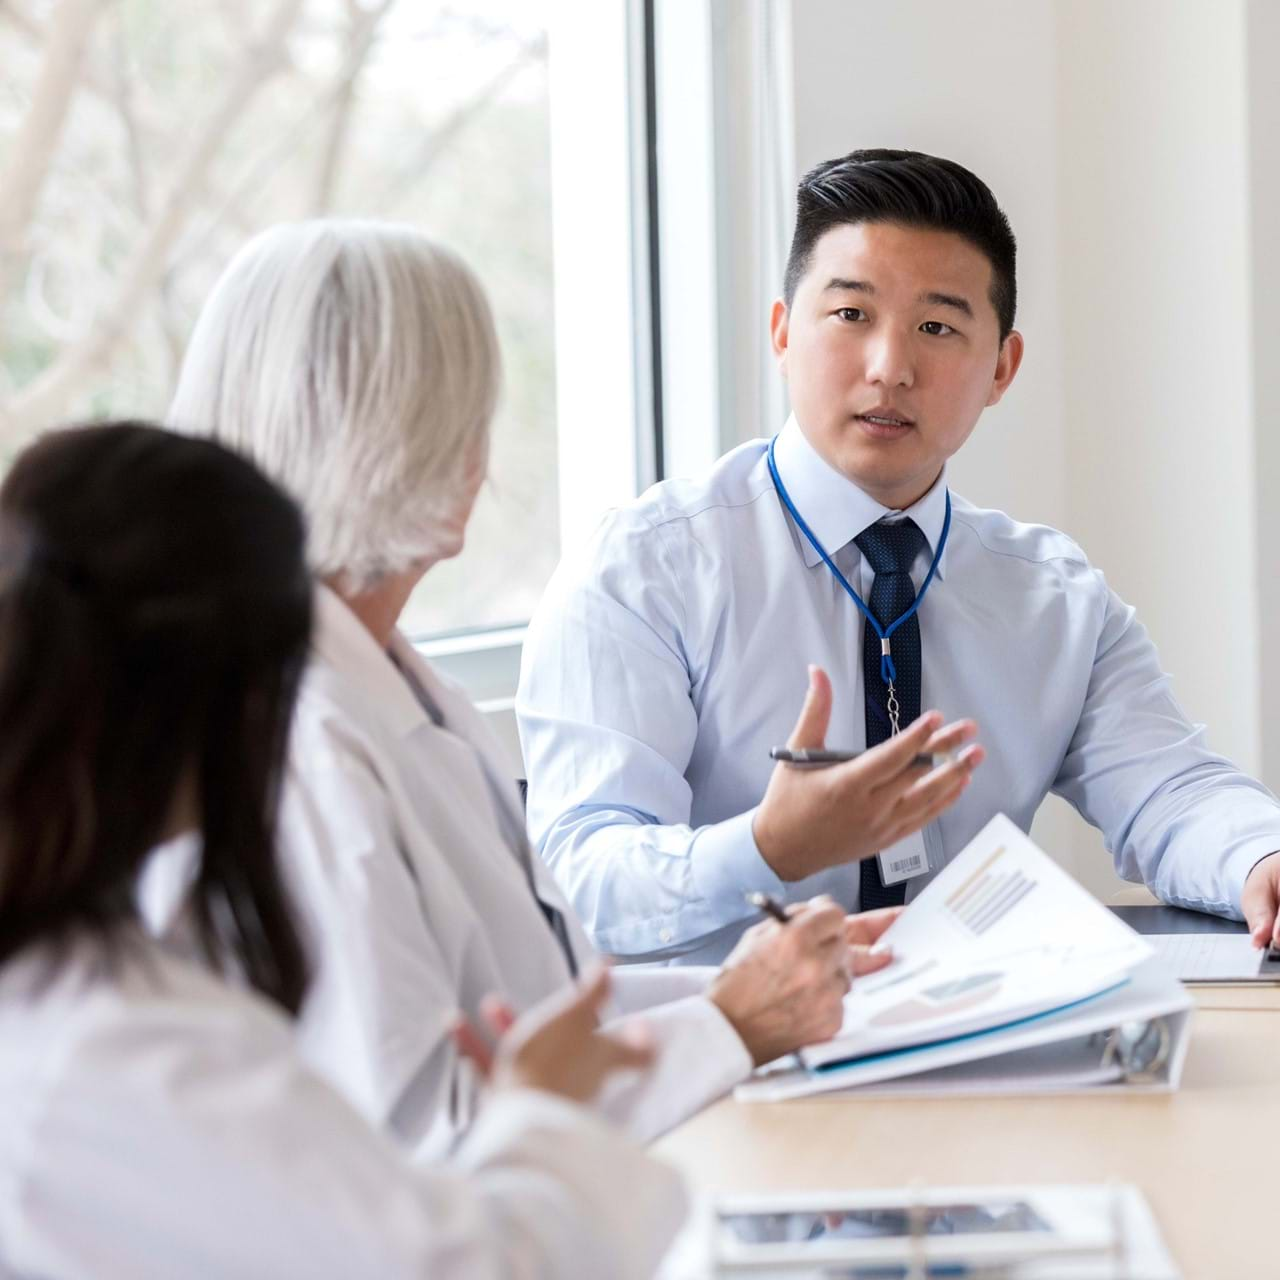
(356, 362)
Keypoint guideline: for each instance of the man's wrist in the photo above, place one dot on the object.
(767, 844)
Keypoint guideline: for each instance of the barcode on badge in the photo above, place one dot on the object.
(908, 865)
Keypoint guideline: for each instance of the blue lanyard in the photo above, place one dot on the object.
(888, 672)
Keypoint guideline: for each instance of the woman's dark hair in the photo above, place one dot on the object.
(155, 613)
(913, 190)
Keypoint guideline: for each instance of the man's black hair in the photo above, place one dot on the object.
(912, 190)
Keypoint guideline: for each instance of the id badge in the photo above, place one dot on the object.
(904, 860)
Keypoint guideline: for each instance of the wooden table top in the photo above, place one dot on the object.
(1203, 1155)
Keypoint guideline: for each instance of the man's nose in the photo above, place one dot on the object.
(889, 360)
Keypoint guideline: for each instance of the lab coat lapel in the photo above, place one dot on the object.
(465, 722)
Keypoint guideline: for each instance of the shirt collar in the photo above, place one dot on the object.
(835, 508)
(343, 642)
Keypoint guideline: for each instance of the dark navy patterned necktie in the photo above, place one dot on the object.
(891, 550)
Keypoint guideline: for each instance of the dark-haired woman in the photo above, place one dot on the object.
(155, 613)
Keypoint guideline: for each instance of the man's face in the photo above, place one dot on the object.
(891, 349)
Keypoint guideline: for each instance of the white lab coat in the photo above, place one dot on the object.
(406, 869)
(156, 1123)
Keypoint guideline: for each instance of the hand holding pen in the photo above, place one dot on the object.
(812, 819)
(863, 932)
(769, 906)
(784, 987)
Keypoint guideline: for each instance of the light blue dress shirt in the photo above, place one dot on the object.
(667, 658)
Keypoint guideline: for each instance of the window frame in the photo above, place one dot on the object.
(606, 298)
(674, 120)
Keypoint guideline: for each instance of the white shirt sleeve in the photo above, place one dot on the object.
(159, 1154)
(700, 1057)
(640, 987)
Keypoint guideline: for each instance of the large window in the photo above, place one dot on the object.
(141, 144)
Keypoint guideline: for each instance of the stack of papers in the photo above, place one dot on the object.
(1196, 947)
(1001, 953)
(1214, 957)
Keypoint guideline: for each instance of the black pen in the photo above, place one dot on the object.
(816, 759)
(770, 906)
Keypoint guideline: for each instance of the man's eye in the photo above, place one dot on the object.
(851, 313)
(935, 328)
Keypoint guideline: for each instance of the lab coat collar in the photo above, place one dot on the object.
(835, 508)
(342, 641)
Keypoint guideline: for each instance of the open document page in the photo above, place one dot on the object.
(1002, 934)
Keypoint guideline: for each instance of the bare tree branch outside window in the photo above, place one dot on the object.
(141, 144)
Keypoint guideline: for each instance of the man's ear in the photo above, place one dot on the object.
(1007, 363)
(779, 321)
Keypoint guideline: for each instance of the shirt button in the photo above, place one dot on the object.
(664, 935)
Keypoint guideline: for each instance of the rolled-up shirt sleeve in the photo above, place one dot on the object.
(607, 726)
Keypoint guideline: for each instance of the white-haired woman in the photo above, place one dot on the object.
(357, 363)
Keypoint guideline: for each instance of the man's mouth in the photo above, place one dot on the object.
(885, 419)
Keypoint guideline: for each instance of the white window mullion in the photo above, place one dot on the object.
(596, 312)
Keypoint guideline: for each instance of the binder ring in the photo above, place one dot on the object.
(1139, 1049)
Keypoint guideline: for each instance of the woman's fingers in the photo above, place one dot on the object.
(472, 1046)
(498, 1015)
(866, 927)
(864, 960)
(588, 1000)
(632, 1049)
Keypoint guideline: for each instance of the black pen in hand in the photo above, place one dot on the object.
(770, 906)
(815, 758)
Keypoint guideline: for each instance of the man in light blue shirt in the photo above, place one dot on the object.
(667, 659)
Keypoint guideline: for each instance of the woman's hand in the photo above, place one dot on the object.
(863, 932)
(557, 1046)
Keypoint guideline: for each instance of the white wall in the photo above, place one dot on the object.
(1118, 138)
(911, 74)
(1154, 255)
(1262, 105)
